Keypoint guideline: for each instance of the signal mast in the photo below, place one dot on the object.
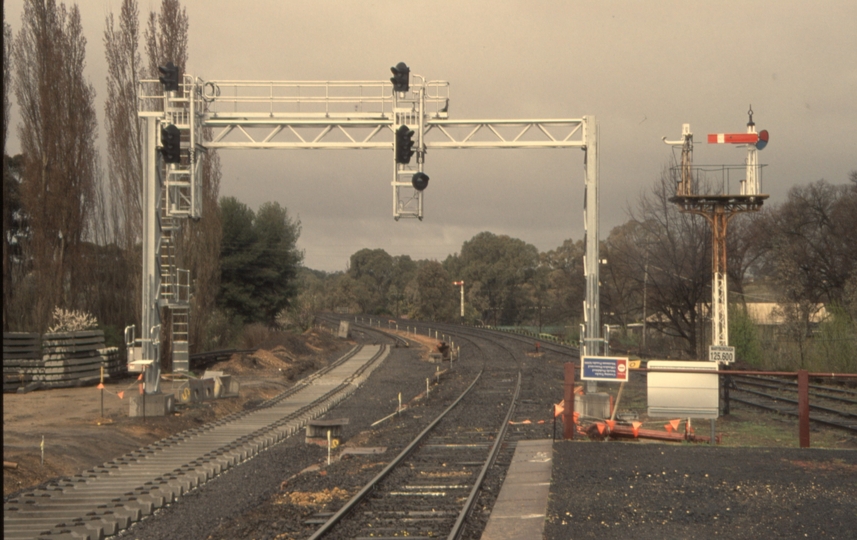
(718, 210)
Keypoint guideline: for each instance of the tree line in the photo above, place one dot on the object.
(656, 278)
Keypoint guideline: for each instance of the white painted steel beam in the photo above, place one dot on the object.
(347, 115)
(306, 135)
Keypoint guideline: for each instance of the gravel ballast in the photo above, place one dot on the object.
(638, 490)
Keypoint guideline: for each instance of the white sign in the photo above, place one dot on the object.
(690, 395)
(723, 354)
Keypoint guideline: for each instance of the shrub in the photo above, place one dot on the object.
(744, 336)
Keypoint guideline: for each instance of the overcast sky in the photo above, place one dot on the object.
(641, 68)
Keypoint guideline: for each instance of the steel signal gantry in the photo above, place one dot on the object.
(341, 115)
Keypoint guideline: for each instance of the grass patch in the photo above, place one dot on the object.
(747, 428)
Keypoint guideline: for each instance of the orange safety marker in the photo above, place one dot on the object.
(541, 421)
(668, 427)
(121, 395)
(558, 408)
(140, 377)
(611, 424)
(100, 386)
(675, 423)
(600, 427)
(636, 427)
(575, 417)
(140, 386)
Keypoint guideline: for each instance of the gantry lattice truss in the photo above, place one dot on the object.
(330, 115)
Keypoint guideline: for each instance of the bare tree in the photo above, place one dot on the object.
(624, 276)
(676, 247)
(57, 133)
(203, 254)
(124, 139)
(7, 80)
(123, 127)
(10, 187)
(167, 37)
(808, 244)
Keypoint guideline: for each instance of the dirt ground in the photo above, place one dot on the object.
(77, 436)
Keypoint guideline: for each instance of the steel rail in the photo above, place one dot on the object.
(850, 392)
(466, 509)
(574, 352)
(360, 495)
(815, 390)
(397, 338)
(796, 402)
(795, 415)
(477, 486)
(458, 527)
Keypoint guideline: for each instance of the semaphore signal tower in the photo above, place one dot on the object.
(719, 209)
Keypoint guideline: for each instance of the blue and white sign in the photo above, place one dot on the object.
(603, 368)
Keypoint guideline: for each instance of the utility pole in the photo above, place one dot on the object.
(461, 284)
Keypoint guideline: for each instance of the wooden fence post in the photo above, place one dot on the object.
(803, 406)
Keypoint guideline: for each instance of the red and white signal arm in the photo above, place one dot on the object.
(733, 138)
(759, 139)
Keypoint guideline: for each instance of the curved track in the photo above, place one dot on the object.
(431, 487)
(109, 498)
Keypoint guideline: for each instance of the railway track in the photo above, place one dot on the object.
(430, 489)
(107, 499)
(830, 406)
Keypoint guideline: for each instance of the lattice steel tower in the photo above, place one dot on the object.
(719, 209)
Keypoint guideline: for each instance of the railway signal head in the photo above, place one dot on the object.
(170, 77)
(171, 144)
(401, 77)
(404, 144)
(420, 181)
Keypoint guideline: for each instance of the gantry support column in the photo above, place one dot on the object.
(591, 312)
(151, 314)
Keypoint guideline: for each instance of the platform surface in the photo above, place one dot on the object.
(519, 512)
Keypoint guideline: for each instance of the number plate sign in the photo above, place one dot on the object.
(722, 354)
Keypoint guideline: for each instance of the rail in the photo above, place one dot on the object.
(370, 486)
